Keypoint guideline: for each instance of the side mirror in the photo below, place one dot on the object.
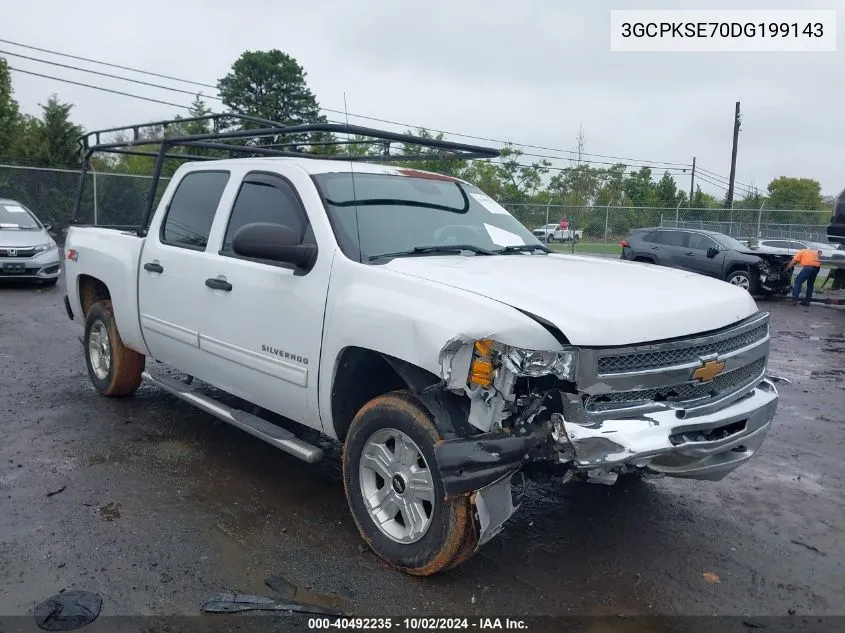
(712, 252)
(274, 242)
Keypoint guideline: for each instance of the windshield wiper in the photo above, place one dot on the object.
(522, 248)
(440, 248)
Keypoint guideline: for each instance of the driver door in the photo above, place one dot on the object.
(264, 320)
(696, 256)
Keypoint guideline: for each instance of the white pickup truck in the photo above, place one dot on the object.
(555, 233)
(406, 315)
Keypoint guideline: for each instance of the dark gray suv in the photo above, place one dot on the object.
(760, 270)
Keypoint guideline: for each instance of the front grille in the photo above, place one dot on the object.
(687, 391)
(19, 252)
(621, 363)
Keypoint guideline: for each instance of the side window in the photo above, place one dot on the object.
(191, 211)
(699, 242)
(264, 198)
(670, 238)
(776, 243)
(797, 245)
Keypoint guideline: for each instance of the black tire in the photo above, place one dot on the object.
(550, 239)
(644, 260)
(124, 365)
(735, 276)
(451, 536)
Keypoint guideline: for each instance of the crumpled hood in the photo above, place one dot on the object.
(593, 301)
(17, 238)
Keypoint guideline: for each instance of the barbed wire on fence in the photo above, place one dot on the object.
(120, 199)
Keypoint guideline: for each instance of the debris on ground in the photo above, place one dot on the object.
(68, 611)
(812, 548)
(235, 602)
(712, 578)
(53, 493)
(281, 586)
(110, 511)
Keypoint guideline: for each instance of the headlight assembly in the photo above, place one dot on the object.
(534, 364)
(49, 246)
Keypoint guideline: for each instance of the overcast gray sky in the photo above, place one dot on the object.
(527, 71)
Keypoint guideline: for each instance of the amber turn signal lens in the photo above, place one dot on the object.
(484, 347)
(481, 372)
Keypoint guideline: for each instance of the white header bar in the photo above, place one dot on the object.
(723, 31)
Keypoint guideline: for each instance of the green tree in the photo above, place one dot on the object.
(270, 85)
(639, 188)
(701, 200)
(59, 135)
(9, 114)
(795, 193)
(666, 192)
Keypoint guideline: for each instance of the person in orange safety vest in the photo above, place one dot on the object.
(810, 261)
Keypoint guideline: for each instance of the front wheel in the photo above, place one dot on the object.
(741, 278)
(114, 369)
(395, 492)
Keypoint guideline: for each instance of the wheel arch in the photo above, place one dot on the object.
(362, 374)
(91, 290)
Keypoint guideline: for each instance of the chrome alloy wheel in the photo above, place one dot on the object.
(397, 486)
(99, 350)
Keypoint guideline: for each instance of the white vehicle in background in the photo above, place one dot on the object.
(556, 233)
(791, 246)
(406, 315)
(27, 252)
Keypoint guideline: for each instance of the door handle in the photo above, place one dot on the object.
(153, 267)
(218, 284)
(691, 254)
(655, 248)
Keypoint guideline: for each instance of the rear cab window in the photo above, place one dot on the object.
(191, 211)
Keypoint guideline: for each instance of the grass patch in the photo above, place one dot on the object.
(587, 247)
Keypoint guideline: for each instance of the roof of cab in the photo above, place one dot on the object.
(324, 166)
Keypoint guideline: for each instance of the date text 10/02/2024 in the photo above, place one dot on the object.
(418, 624)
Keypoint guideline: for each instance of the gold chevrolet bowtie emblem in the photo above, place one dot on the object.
(709, 370)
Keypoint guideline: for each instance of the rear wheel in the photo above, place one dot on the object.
(114, 369)
(395, 492)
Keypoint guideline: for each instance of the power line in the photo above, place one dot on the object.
(95, 61)
(358, 116)
(84, 85)
(96, 72)
(726, 180)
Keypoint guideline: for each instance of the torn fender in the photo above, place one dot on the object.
(469, 464)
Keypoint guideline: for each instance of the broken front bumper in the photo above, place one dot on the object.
(707, 446)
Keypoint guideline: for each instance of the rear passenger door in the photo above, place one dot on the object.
(173, 269)
(667, 247)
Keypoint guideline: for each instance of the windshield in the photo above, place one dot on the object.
(728, 243)
(15, 216)
(381, 214)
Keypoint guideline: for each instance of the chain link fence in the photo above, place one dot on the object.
(107, 198)
(612, 223)
(120, 199)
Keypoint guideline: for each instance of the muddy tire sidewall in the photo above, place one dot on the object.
(125, 366)
(445, 543)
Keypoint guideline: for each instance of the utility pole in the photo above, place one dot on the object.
(692, 182)
(729, 200)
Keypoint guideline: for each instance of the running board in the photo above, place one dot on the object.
(252, 424)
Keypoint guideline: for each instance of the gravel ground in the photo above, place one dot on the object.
(158, 507)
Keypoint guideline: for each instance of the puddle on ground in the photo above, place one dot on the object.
(155, 447)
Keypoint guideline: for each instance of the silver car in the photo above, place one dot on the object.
(27, 251)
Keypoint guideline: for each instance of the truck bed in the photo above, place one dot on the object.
(114, 254)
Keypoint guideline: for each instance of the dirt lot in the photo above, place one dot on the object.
(161, 507)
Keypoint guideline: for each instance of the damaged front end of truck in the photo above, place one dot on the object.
(694, 407)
